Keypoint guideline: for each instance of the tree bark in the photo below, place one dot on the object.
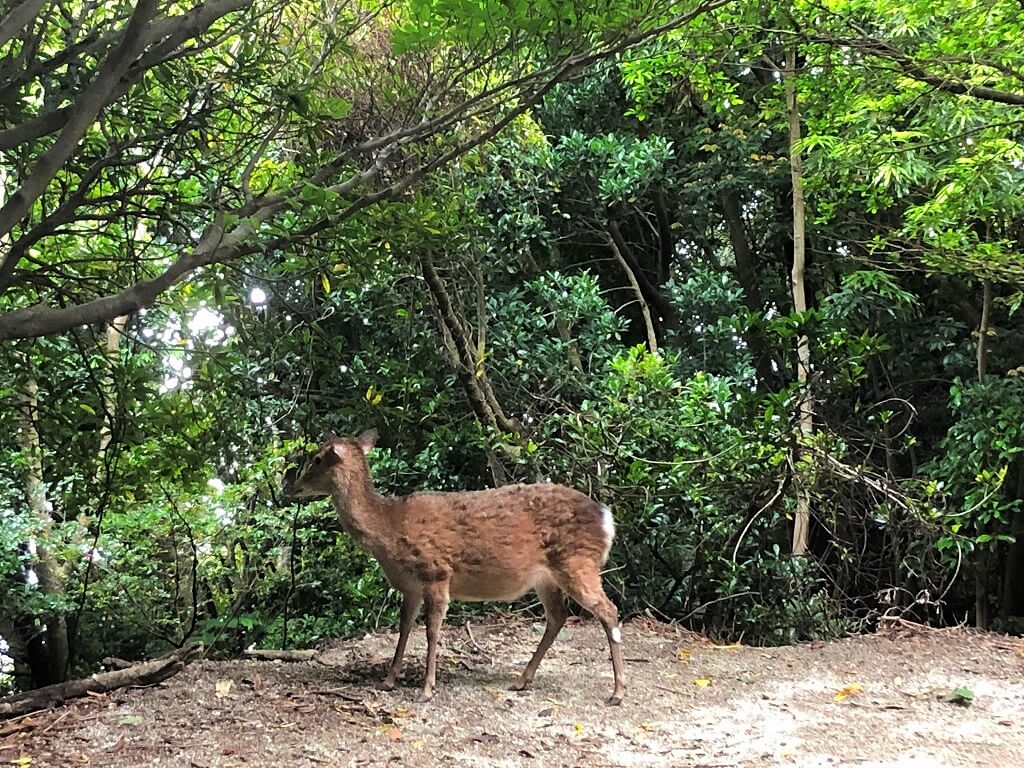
(144, 673)
(49, 649)
(17, 18)
(802, 518)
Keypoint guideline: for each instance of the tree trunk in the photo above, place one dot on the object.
(1012, 604)
(981, 607)
(746, 261)
(666, 242)
(666, 312)
(746, 274)
(17, 649)
(982, 556)
(115, 330)
(48, 650)
(801, 523)
(469, 367)
(983, 328)
(1013, 581)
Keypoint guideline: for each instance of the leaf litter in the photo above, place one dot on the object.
(880, 700)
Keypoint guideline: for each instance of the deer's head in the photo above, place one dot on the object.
(337, 464)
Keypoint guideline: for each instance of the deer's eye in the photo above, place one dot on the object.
(316, 461)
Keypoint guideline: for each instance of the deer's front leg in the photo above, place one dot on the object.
(410, 607)
(436, 601)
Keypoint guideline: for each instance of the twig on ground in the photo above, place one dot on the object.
(670, 689)
(341, 693)
(473, 642)
(272, 654)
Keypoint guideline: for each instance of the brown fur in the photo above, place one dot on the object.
(495, 544)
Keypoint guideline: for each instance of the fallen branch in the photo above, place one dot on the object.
(899, 621)
(270, 654)
(115, 663)
(144, 673)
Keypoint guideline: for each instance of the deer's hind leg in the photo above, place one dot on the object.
(555, 614)
(582, 581)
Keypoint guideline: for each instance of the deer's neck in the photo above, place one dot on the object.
(363, 513)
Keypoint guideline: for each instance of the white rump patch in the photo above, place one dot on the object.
(608, 526)
(616, 635)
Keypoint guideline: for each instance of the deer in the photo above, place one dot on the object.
(484, 545)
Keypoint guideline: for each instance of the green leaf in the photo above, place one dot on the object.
(337, 108)
(963, 696)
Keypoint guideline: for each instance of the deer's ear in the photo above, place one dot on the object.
(329, 437)
(367, 440)
(339, 449)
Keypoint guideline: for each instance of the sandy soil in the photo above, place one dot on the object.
(871, 701)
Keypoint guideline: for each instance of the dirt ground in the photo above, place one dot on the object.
(878, 700)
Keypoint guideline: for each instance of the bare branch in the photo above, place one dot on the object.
(165, 34)
(84, 113)
(18, 18)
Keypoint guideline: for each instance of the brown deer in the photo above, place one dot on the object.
(495, 544)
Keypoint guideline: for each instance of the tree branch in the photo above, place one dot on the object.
(86, 109)
(645, 310)
(169, 33)
(143, 673)
(18, 18)
(912, 68)
(214, 246)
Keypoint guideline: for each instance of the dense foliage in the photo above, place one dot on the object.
(527, 242)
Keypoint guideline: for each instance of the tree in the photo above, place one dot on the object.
(526, 242)
(246, 104)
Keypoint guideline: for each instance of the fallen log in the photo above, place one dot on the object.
(143, 673)
(270, 654)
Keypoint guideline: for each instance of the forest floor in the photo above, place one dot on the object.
(874, 700)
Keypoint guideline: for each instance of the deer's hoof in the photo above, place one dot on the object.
(386, 685)
(425, 697)
(615, 700)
